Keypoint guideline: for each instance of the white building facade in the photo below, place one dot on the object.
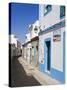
(52, 41)
(30, 46)
(34, 31)
(15, 45)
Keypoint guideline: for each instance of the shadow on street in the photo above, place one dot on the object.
(19, 77)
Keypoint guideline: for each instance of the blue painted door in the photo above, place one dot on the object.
(47, 53)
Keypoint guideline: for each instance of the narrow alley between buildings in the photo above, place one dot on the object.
(19, 77)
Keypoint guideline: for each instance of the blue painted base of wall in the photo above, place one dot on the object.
(60, 76)
(41, 67)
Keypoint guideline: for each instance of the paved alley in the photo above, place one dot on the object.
(19, 77)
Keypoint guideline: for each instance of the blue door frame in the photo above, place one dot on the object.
(45, 53)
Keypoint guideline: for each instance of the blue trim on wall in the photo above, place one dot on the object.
(64, 54)
(57, 75)
(53, 27)
(41, 67)
(45, 55)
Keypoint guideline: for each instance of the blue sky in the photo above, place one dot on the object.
(21, 16)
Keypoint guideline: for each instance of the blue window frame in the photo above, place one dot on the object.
(62, 11)
(48, 8)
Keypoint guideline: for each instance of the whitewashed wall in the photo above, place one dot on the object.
(27, 37)
(33, 34)
(57, 61)
(51, 18)
(56, 50)
(28, 52)
(24, 52)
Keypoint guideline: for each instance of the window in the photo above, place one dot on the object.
(47, 9)
(35, 29)
(62, 11)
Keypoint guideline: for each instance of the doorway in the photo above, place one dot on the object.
(48, 57)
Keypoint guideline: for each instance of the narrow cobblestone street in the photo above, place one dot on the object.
(19, 77)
